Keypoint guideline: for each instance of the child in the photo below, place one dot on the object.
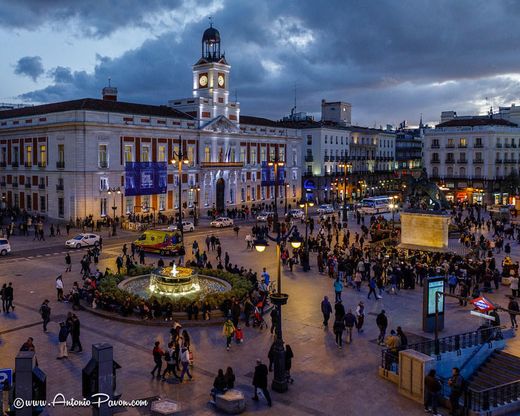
(239, 335)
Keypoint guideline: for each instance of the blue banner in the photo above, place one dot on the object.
(145, 178)
(268, 178)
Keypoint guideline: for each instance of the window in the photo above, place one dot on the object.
(243, 194)
(243, 177)
(281, 154)
(271, 191)
(28, 205)
(28, 156)
(449, 157)
(207, 154)
(451, 143)
(162, 202)
(294, 175)
(232, 154)
(336, 139)
(129, 153)
(3, 155)
(341, 139)
(435, 143)
(43, 155)
(478, 172)
(243, 151)
(61, 207)
(478, 156)
(450, 172)
(191, 155)
(272, 153)
(231, 196)
(129, 205)
(220, 154)
(463, 142)
(103, 184)
(103, 156)
(309, 140)
(16, 199)
(145, 203)
(262, 191)
(16, 156)
(42, 203)
(462, 172)
(462, 157)
(145, 154)
(253, 155)
(162, 156)
(435, 171)
(263, 154)
(61, 153)
(478, 142)
(294, 191)
(294, 157)
(325, 139)
(103, 207)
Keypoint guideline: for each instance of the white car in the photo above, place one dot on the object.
(5, 247)
(221, 222)
(186, 226)
(83, 240)
(325, 209)
(296, 213)
(262, 217)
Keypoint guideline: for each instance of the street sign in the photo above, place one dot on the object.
(6, 374)
(482, 315)
(482, 304)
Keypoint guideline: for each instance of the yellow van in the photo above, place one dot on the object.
(166, 243)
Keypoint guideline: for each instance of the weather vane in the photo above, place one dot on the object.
(210, 18)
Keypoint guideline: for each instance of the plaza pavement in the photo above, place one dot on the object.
(328, 381)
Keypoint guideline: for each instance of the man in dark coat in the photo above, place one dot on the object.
(260, 381)
(45, 312)
(326, 310)
(75, 331)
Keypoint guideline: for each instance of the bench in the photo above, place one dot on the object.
(231, 402)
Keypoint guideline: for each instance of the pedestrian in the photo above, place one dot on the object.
(59, 288)
(230, 378)
(62, 339)
(514, 286)
(45, 312)
(270, 355)
(9, 297)
(382, 323)
(68, 263)
(513, 306)
(182, 253)
(141, 257)
(28, 345)
(169, 358)
(326, 310)
(3, 297)
(338, 288)
(185, 363)
(432, 387)
(260, 381)
(372, 288)
(289, 355)
(350, 321)
(228, 330)
(402, 337)
(157, 354)
(75, 332)
(219, 385)
(360, 317)
(274, 319)
(456, 382)
(339, 327)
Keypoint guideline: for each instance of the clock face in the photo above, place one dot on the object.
(203, 80)
(221, 80)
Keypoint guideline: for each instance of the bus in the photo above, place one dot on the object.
(375, 205)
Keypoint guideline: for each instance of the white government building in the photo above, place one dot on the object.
(66, 159)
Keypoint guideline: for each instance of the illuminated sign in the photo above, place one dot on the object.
(435, 286)
(145, 178)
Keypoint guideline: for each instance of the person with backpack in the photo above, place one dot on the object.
(157, 354)
(169, 358)
(432, 387)
(457, 385)
(45, 312)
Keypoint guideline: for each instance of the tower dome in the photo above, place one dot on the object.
(211, 35)
(211, 44)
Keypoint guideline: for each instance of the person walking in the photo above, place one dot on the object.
(360, 317)
(3, 297)
(338, 328)
(432, 387)
(350, 321)
(169, 358)
(68, 263)
(372, 288)
(513, 306)
(157, 354)
(9, 297)
(260, 381)
(274, 319)
(326, 310)
(45, 312)
(228, 330)
(456, 383)
(75, 332)
(141, 257)
(338, 288)
(382, 324)
(62, 339)
(289, 355)
(514, 286)
(185, 363)
(59, 288)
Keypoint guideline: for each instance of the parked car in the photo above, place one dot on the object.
(5, 247)
(221, 222)
(186, 226)
(264, 216)
(296, 214)
(83, 240)
(325, 209)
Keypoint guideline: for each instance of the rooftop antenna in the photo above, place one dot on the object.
(210, 18)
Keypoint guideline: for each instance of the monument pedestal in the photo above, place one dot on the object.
(424, 230)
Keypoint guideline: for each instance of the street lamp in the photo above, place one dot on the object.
(393, 207)
(345, 167)
(180, 161)
(286, 191)
(196, 215)
(278, 299)
(114, 191)
(306, 204)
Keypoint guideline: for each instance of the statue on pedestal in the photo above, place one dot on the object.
(424, 194)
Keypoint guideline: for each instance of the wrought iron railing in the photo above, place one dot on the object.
(483, 400)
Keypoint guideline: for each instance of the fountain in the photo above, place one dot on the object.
(173, 281)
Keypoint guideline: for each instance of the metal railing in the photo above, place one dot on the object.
(483, 400)
(390, 356)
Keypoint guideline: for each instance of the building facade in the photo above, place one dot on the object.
(103, 157)
(474, 159)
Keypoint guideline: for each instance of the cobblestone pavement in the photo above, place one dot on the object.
(327, 380)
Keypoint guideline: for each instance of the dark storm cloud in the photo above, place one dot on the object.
(392, 60)
(30, 66)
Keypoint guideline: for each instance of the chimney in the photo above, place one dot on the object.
(109, 93)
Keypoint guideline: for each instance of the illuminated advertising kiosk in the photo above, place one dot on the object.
(433, 285)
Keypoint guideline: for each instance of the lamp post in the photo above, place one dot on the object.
(306, 204)
(345, 167)
(180, 161)
(393, 206)
(278, 299)
(195, 189)
(115, 191)
(286, 191)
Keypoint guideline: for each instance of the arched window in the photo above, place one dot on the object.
(462, 172)
(478, 172)
(450, 172)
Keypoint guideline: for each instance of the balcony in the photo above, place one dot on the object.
(103, 164)
(3, 164)
(478, 146)
(450, 161)
(450, 146)
(14, 164)
(478, 161)
(463, 146)
(309, 158)
(510, 161)
(435, 146)
(463, 161)
(28, 164)
(60, 164)
(15, 185)
(41, 186)
(59, 187)
(499, 146)
(42, 165)
(498, 161)
(222, 164)
(507, 146)
(325, 158)
(435, 161)
(27, 186)
(3, 184)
